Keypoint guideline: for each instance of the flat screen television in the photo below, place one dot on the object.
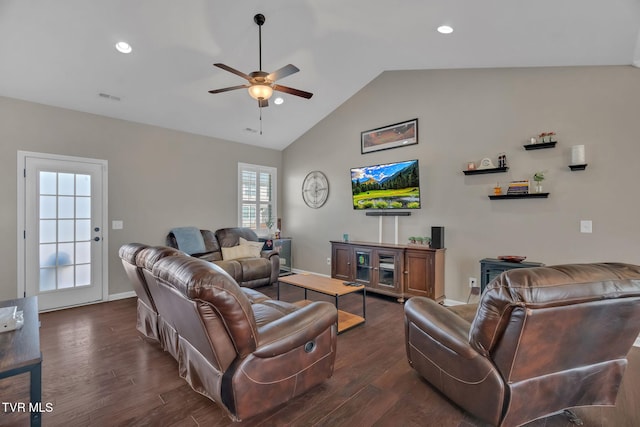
(387, 186)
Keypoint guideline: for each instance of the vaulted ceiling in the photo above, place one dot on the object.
(62, 53)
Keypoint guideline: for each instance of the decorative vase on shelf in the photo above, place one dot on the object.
(538, 186)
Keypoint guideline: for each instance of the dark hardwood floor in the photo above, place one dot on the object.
(99, 371)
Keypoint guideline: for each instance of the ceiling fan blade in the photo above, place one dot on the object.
(233, 70)
(263, 103)
(292, 91)
(227, 89)
(283, 72)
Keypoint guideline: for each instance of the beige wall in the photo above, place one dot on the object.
(465, 115)
(158, 178)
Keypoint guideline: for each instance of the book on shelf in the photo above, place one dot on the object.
(518, 187)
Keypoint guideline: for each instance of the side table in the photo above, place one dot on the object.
(490, 268)
(21, 352)
(283, 246)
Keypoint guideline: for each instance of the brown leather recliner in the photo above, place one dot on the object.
(235, 345)
(542, 340)
(250, 272)
(147, 313)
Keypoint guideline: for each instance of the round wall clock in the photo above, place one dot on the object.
(315, 189)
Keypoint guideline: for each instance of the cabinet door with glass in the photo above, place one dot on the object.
(364, 269)
(387, 270)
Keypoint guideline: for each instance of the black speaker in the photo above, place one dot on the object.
(437, 237)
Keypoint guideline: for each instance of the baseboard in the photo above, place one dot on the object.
(449, 302)
(637, 343)
(123, 295)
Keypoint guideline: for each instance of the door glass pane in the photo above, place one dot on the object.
(65, 277)
(48, 255)
(65, 230)
(47, 279)
(65, 207)
(48, 182)
(48, 206)
(83, 185)
(83, 252)
(66, 184)
(83, 275)
(47, 231)
(65, 253)
(83, 207)
(83, 229)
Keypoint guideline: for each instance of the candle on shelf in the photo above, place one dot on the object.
(577, 155)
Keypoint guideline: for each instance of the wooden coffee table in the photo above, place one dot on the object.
(332, 287)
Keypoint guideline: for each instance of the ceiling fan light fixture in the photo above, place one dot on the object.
(123, 47)
(260, 92)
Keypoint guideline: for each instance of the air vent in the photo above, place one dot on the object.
(107, 96)
(251, 130)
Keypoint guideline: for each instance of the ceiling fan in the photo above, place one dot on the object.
(262, 84)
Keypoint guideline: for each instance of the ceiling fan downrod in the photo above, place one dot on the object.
(259, 19)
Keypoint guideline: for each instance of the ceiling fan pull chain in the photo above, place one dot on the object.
(260, 108)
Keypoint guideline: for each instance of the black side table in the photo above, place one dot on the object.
(490, 268)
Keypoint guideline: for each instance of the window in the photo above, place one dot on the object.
(257, 197)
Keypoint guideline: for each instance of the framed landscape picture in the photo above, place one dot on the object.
(392, 136)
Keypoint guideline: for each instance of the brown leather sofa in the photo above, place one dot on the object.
(243, 350)
(137, 260)
(251, 272)
(541, 340)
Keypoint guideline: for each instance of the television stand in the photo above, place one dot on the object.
(390, 269)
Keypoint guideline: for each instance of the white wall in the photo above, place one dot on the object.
(158, 178)
(465, 115)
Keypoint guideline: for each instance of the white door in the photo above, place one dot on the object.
(64, 244)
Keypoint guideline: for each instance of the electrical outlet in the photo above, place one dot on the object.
(328, 261)
(473, 282)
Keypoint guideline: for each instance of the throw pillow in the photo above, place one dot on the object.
(240, 251)
(244, 241)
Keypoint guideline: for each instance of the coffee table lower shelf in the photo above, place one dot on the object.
(346, 320)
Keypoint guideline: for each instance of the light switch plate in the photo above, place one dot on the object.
(117, 225)
(586, 226)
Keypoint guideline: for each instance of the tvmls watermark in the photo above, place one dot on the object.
(27, 407)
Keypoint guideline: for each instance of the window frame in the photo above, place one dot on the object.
(258, 169)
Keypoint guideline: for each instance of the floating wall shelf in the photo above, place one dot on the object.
(520, 196)
(578, 167)
(540, 145)
(483, 171)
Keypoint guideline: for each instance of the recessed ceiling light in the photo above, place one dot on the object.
(123, 47)
(445, 29)
(278, 100)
